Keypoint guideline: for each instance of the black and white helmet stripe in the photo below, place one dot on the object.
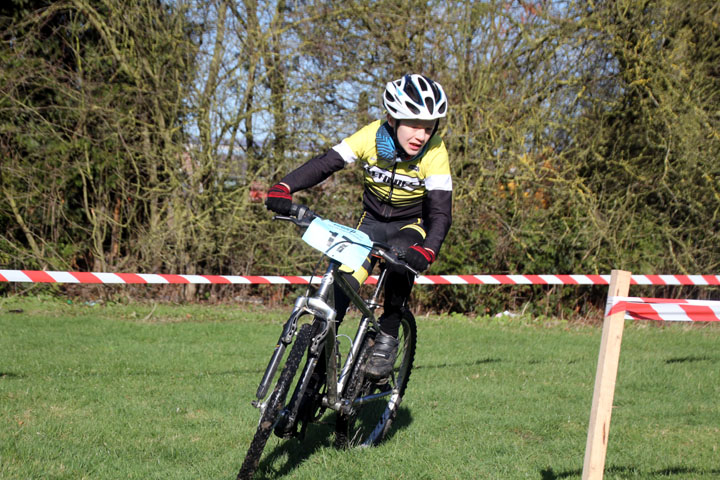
(415, 97)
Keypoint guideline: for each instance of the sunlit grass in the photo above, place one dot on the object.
(136, 391)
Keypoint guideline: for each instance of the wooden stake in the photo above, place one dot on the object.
(608, 359)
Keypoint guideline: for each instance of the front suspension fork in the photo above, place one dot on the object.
(304, 305)
(285, 338)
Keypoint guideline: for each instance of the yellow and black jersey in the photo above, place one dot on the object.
(418, 188)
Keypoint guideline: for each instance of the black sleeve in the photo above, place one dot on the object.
(437, 215)
(314, 171)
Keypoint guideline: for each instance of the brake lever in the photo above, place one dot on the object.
(395, 258)
(411, 270)
(284, 218)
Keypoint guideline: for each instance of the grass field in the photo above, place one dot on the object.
(138, 392)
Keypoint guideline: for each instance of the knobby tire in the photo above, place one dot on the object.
(348, 432)
(275, 404)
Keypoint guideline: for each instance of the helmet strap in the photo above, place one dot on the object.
(401, 151)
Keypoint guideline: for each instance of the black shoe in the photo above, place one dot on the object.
(382, 358)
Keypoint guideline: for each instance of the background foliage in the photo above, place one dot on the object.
(139, 136)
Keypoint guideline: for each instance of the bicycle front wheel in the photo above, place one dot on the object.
(375, 405)
(275, 404)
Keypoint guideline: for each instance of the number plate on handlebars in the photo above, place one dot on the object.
(344, 244)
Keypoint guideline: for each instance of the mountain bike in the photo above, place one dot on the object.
(332, 374)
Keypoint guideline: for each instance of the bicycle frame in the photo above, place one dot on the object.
(320, 307)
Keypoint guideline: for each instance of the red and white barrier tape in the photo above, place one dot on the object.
(638, 308)
(41, 276)
(664, 309)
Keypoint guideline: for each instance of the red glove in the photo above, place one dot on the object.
(419, 257)
(279, 199)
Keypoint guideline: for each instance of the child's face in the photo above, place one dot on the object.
(413, 134)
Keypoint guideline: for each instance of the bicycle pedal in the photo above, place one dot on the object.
(382, 381)
(285, 433)
(283, 428)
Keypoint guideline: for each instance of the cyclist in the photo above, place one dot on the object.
(407, 199)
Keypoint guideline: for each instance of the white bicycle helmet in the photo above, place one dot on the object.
(415, 97)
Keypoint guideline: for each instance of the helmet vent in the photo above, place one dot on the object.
(423, 84)
(430, 104)
(411, 90)
(436, 93)
(412, 108)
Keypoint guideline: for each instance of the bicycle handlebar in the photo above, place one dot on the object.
(302, 216)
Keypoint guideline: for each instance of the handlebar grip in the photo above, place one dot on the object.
(302, 213)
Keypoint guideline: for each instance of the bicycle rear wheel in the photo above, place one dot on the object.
(375, 405)
(275, 404)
